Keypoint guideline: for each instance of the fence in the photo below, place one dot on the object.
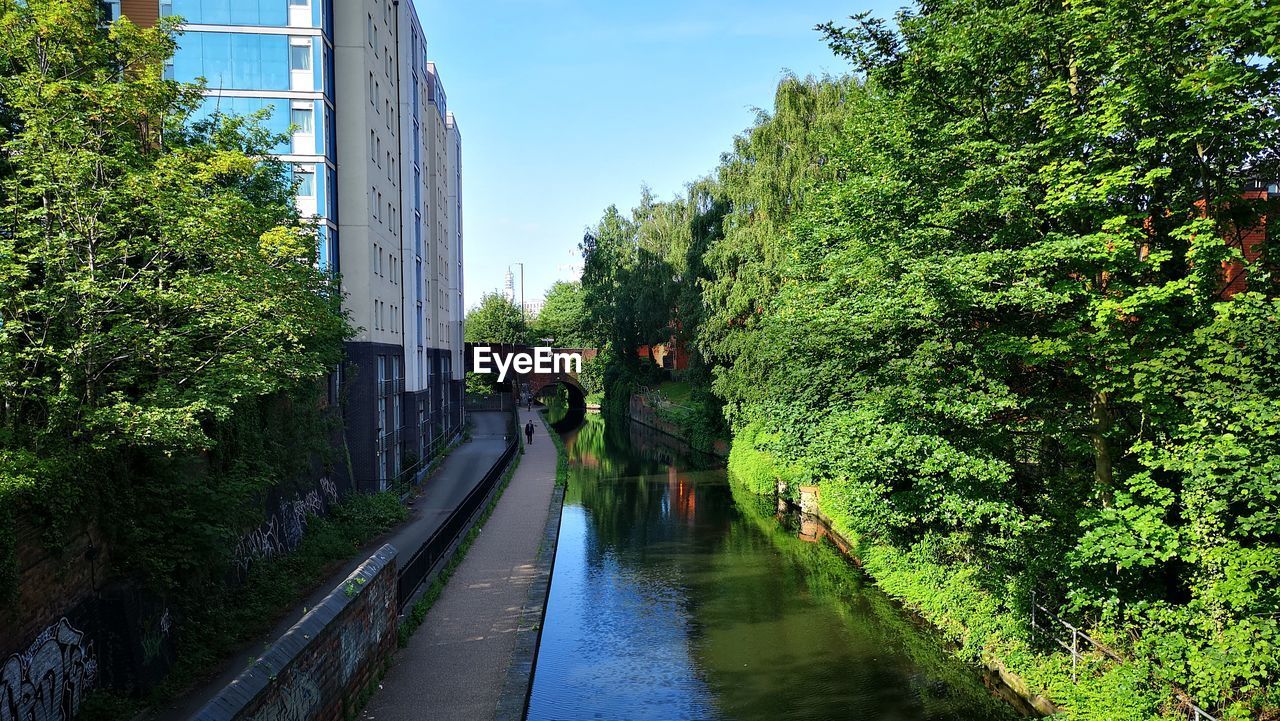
(419, 565)
(1071, 643)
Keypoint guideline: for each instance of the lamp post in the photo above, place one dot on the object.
(526, 320)
(518, 385)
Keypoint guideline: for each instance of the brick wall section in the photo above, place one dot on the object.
(318, 668)
(49, 583)
(1235, 274)
(141, 12)
(641, 411)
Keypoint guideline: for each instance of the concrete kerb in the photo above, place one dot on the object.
(513, 703)
(491, 499)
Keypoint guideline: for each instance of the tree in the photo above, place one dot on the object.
(563, 318)
(760, 185)
(495, 320)
(155, 279)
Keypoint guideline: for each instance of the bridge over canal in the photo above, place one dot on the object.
(537, 381)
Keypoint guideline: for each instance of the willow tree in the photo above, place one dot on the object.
(760, 185)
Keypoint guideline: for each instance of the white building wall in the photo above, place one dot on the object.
(456, 309)
(369, 158)
(415, 193)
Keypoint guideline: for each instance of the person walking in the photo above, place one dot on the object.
(528, 432)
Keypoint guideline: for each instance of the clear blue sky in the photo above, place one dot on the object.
(568, 106)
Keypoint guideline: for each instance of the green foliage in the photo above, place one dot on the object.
(562, 455)
(632, 269)
(563, 320)
(496, 320)
(593, 370)
(222, 619)
(480, 385)
(752, 465)
(694, 410)
(155, 282)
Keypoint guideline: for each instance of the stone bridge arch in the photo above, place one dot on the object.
(536, 383)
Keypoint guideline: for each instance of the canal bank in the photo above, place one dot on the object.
(457, 665)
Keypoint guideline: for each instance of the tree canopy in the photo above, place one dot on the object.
(563, 320)
(495, 320)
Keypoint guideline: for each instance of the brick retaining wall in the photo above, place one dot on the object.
(318, 669)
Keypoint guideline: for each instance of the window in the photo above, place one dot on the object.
(303, 119)
(299, 3)
(300, 57)
(370, 34)
(306, 184)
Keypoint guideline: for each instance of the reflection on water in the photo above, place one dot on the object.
(675, 597)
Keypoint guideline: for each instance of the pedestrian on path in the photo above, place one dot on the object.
(528, 432)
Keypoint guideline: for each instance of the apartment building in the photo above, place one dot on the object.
(376, 158)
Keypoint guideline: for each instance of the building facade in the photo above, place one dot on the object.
(376, 156)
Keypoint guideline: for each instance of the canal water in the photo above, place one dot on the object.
(676, 596)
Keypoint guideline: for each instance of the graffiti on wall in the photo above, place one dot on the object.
(155, 635)
(358, 640)
(48, 680)
(283, 530)
(297, 699)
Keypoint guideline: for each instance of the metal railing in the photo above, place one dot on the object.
(420, 564)
(1073, 646)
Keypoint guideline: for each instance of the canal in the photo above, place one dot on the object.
(675, 596)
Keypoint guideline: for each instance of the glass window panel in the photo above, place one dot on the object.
(331, 185)
(299, 57)
(306, 184)
(246, 61)
(217, 59)
(244, 12)
(322, 246)
(215, 12)
(275, 62)
(279, 120)
(188, 61)
(322, 195)
(189, 10)
(273, 12)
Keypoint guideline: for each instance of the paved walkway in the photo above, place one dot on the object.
(439, 495)
(456, 664)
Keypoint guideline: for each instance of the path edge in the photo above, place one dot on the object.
(513, 703)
